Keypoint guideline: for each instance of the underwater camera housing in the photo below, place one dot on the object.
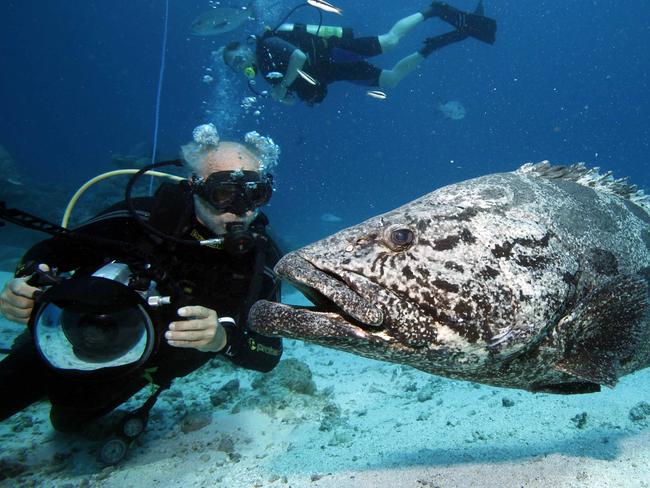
(98, 325)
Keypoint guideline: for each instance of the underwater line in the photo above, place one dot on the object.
(160, 81)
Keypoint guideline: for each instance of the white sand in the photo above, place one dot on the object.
(383, 436)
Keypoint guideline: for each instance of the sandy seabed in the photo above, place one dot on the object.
(327, 419)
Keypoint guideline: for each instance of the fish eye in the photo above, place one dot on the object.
(400, 238)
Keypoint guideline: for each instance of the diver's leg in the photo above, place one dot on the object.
(23, 377)
(402, 27)
(389, 78)
(475, 23)
(75, 406)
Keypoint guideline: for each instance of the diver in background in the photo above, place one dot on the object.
(302, 60)
(228, 186)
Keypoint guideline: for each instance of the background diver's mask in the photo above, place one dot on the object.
(249, 72)
(243, 63)
(246, 62)
(234, 191)
(94, 325)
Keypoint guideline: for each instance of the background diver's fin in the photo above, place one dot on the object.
(479, 10)
(474, 24)
(433, 43)
(605, 330)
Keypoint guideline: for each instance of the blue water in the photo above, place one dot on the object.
(566, 81)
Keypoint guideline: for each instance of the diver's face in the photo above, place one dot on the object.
(240, 59)
(228, 156)
(217, 221)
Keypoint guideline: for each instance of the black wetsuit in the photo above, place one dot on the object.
(208, 277)
(328, 60)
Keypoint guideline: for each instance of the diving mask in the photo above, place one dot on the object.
(234, 191)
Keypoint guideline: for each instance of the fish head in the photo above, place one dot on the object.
(405, 286)
(218, 21)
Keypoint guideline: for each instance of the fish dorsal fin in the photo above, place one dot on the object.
(590, 177)
(604, 330)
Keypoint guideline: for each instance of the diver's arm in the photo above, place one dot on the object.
(251, 350)
(61, 252)
(17, 300)
(296, 62)
(247, 348)
(112, 229)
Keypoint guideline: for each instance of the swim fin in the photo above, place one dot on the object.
(479, 10)
(434, 43)
(474, 24)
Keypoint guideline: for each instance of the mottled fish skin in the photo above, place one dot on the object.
(535, 279)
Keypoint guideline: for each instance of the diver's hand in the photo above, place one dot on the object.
(279, 93)
(17, 298)
(200, 331)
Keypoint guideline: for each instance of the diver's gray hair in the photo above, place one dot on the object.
(268, 150)
(206, 139)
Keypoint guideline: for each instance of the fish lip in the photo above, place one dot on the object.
(296, 322)
(312, 280)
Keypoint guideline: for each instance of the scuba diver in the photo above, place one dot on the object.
(161, 285)
(300, 60)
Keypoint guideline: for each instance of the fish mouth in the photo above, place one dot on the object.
(339, 310)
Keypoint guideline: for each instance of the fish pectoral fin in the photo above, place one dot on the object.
(576, 388)
(586, 368)
(605, 330)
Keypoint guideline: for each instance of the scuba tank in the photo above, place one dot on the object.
(325, 31)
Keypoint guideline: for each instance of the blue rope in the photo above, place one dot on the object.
(160, 82)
